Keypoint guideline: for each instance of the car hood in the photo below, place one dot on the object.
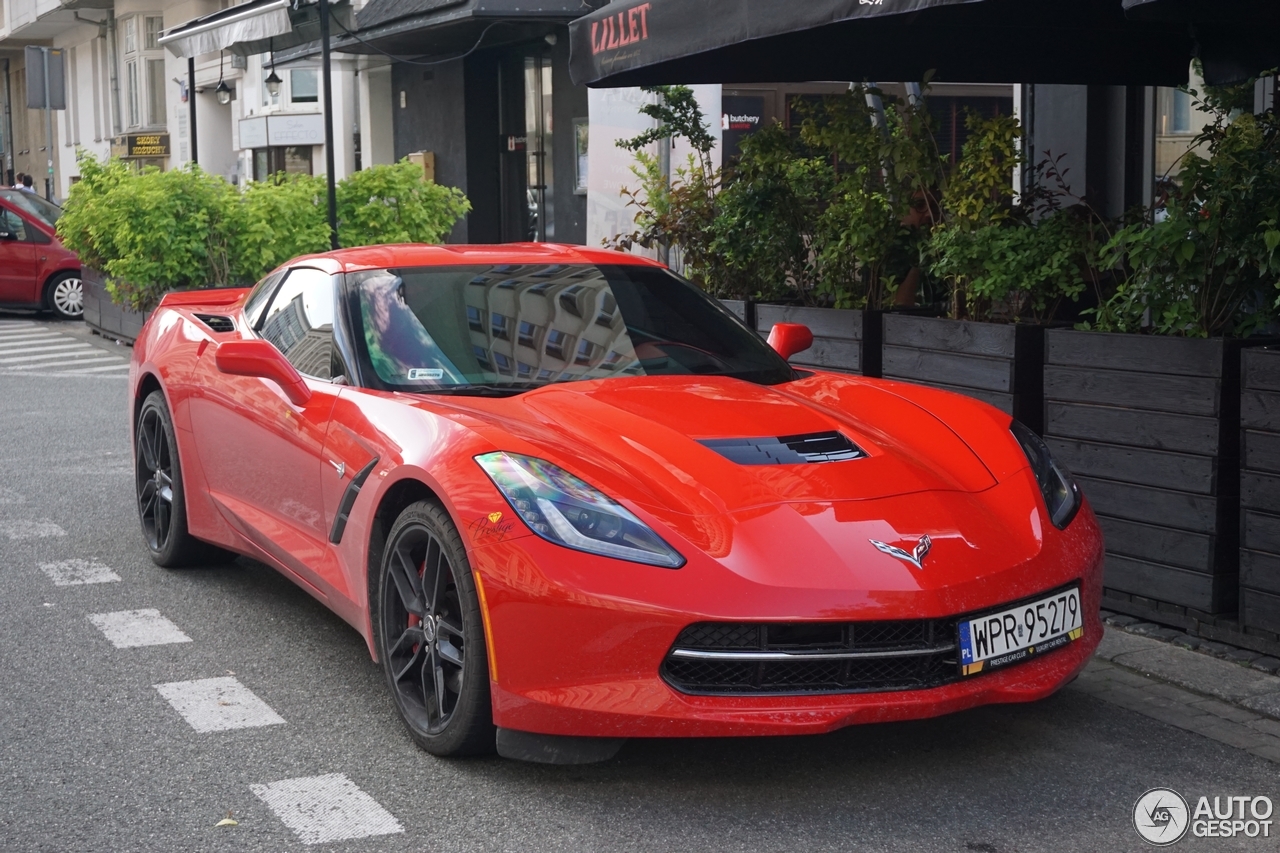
(640, 440)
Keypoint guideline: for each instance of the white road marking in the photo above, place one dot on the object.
(71, 361)
(123, 366)
(76, 572)
(16, 530)
(17, 342)
(62, 350)
(218, 704)
(326, 808)
(127, 629)
(9, 496)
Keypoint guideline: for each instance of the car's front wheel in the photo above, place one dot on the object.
(430, 636)
(162, 506)
(64, 296)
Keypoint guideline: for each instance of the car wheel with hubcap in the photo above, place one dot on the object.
(162, 506)
(429, 634)
(64, 296)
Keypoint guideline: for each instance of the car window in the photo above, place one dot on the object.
(453, 328)
(13, 224)
(45, 211)
(260, 296)
(299, 321)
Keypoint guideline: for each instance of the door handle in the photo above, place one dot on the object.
(340, 467)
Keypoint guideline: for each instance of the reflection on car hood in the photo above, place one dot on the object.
(641, 439)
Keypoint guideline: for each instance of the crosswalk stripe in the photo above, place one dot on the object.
(10, 346)
(14, 340)
(25, 331)
(63, 350)
(122, 366)
(68, 363)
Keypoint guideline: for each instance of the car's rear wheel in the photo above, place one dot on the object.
(162, 506)
(430, 637)
(64, 296)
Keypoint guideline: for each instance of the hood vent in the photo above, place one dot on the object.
(787, 449)
(217, 322)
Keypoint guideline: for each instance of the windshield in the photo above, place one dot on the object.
(45, 211)
(518, 326)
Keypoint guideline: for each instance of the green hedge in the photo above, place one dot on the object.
(152, 232)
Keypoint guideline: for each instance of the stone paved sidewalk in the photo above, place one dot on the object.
(1219, 699)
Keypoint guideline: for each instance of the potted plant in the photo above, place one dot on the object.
(1145, 405)
(1008, 265)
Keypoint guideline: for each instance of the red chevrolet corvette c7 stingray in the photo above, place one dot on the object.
(569, 499)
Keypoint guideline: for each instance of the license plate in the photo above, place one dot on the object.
(1017, 633)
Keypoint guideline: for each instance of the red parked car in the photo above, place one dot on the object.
(36, 270)
(567, 498)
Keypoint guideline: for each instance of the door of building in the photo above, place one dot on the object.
(526, 133)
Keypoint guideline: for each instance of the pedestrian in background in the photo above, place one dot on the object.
(17, 181)
(26, 184)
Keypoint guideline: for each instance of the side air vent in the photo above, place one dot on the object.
(787, 449)
(217, 322)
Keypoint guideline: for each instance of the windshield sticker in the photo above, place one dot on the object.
(426, 373)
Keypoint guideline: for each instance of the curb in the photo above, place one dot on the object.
(1225, 676)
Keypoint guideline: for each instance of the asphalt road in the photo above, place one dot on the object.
(93, 758)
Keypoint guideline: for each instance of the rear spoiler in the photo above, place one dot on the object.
(221, 296)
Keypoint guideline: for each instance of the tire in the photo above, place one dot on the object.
(447, 710)
(64, 296)
(162, 506)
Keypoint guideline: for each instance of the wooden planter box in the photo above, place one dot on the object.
(741, 309)
(104, 316)
(1260, 491)
(997, 363)
(1150, 426)
(844, 340)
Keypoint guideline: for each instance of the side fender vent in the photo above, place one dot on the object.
(786, 449)
(217, 322)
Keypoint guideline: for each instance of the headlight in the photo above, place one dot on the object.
(563, 509)
(1061, 494)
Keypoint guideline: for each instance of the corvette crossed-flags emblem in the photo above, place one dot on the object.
(915, 558)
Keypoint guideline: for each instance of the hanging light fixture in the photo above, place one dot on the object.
(273, 82)
(223, 92)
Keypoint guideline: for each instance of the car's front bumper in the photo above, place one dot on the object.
(577, 642)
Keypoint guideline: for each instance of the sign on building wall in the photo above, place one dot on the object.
(141, 145)
(265, 131)
(36, 83)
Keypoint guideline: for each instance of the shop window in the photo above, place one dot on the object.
(1178, 122)
(303, 88)
(135, 96)
(154, 27)
(280, 158)
(155, 91)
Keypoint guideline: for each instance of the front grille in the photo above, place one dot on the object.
(720, 658)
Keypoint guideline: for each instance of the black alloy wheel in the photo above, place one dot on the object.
(161, 502)
(430, 637)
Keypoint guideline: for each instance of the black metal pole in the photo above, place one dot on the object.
(328, 123)
(191, 108)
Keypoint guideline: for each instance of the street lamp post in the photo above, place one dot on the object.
(328, 124)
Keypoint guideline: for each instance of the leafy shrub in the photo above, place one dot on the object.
(1005, 258)
(394, 204)
(281, 218)
(152, 232)
(1210, 266)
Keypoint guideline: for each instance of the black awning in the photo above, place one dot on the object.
(1234, 39)
(647, 42)
(431, 28)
